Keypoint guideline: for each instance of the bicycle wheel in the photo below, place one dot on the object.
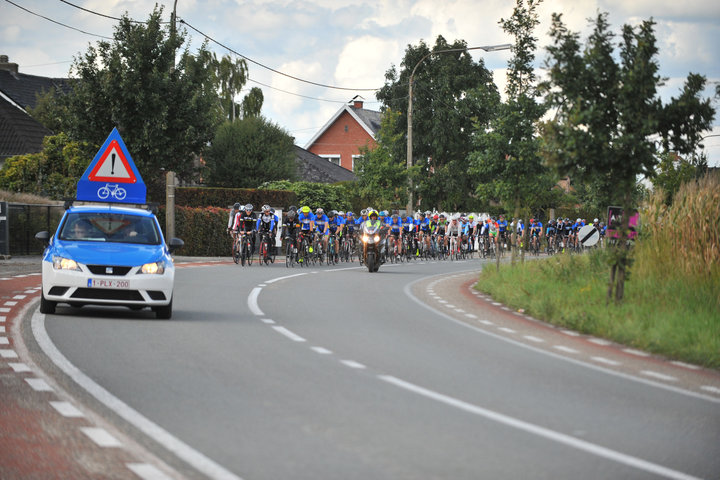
(236, 253)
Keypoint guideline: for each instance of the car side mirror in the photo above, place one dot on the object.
(43, 236)
(174, 244)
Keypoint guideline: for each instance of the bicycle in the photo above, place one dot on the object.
(245, 249)
(291, 252)
(303, 253)
(264, 254)
(332, 257)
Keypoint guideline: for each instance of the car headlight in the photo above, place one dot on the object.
(154, 268)
(62, 263)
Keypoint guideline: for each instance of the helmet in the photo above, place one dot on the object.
(372, 212)
(363, 211)
(532, 220)
(436, 216)
(292, 208)
(341, 213)
(395, 216)
(384, 213)
(266, 208)
(237, 206)
(596, 220)
(579, 220)
(428, 212)
(332, 213)
(471, 216)
(306, 209)
(249, 207)
(291, 214)
(422, 214)
(319, 211)
(350, 214)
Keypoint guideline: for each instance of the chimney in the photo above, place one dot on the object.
(357, 102)
(6, 65)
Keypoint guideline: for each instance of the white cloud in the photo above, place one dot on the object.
(363, 62)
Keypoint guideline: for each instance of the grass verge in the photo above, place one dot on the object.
(671, 315)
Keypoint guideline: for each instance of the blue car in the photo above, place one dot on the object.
(108, 255)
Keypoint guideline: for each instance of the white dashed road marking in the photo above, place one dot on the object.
(101, 437)
(67, 409)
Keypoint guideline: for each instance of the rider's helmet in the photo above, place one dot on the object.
(341, 213)
(428, 213)
(266, 208)
(532, 220)
(363, 211)
(291, 214)
(395, 216)
(319, 211)
(305, 209)
(471, 216)
(292, 208)
(332, 213)
(421, 214)
(596, 220)
(249, 208)
(350, 214)
(373, 213)
(436, 216)
(237, 206)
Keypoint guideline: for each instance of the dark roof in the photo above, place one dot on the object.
(370, 118)
(19, 132)
(312, 168)
(22, 88)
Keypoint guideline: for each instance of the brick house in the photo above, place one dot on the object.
(351, 127)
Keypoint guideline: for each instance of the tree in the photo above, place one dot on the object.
(382, 177)
(444, 89)
(607, 114)
(506, 151)
(231, 77)
(252, 103)
(165, 111)
(248, 152)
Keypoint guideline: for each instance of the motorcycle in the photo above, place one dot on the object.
(372, 239)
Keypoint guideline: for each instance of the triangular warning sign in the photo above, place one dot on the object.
(112, 166)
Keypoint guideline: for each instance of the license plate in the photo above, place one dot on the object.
(107, 283)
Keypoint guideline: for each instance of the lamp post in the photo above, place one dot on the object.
(489, 48)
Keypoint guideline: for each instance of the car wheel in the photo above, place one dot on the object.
(164, 312)
(46, 306)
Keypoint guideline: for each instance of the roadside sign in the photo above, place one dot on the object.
(112, 175)
(589, 235)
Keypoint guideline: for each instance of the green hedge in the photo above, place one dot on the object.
(204, 230)
(225, 197)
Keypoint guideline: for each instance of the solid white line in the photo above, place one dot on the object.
(20, 367)
(183, 451)
(147, 471)
(252, 302)
(709, 388)
(289, 334)
(540, 431)
(67, 409)
(101, 437)
(284, 278)
(39, 385)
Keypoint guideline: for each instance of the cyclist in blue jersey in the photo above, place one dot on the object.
(321, 223)
(335, 227)
(502, 226)
(396, 231)
(422, 227)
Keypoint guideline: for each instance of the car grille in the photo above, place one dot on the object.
(107, 294)
(109, 270)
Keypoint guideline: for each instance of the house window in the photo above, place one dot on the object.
(332, 158)
(355, 158)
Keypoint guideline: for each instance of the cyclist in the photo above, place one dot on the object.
(453, 230)
(335, 227)
(422, 228)
(396, 230)
(520, 228)
(231, 220)
(321, 223)
(550, 233)
(502, 226)
(535, 231)
(290, 228)
(265, 225)
(245, 223)
(441, 230)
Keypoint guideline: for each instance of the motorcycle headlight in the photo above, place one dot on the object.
(62, 263)
(376, 238)
(155, 268)
(365, 238)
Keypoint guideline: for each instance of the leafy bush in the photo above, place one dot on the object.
(204, 230)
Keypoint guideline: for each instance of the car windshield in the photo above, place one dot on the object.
(110, 227)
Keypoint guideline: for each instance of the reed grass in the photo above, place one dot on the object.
(672, 301)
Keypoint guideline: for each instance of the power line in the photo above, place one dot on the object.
(56, 22)
(272, 69)
(99, 14)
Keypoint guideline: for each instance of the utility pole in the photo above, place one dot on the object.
(490, 48)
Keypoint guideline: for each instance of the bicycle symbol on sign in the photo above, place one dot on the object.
(111, 189)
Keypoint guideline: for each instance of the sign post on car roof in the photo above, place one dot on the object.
(112, 175)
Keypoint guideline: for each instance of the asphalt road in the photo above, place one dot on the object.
(326, 373)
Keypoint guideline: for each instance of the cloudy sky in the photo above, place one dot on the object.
(352, 43)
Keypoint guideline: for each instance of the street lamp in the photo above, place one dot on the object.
(489, 48)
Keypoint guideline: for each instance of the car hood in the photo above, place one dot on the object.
(121, 254)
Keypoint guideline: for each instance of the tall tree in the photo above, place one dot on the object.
(252, 103)
(248, 152)
(506, 151)
(443, 112)
(166, 111)
(231, 76)
(606, 115)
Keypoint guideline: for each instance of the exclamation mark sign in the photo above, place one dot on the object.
(112, 165)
